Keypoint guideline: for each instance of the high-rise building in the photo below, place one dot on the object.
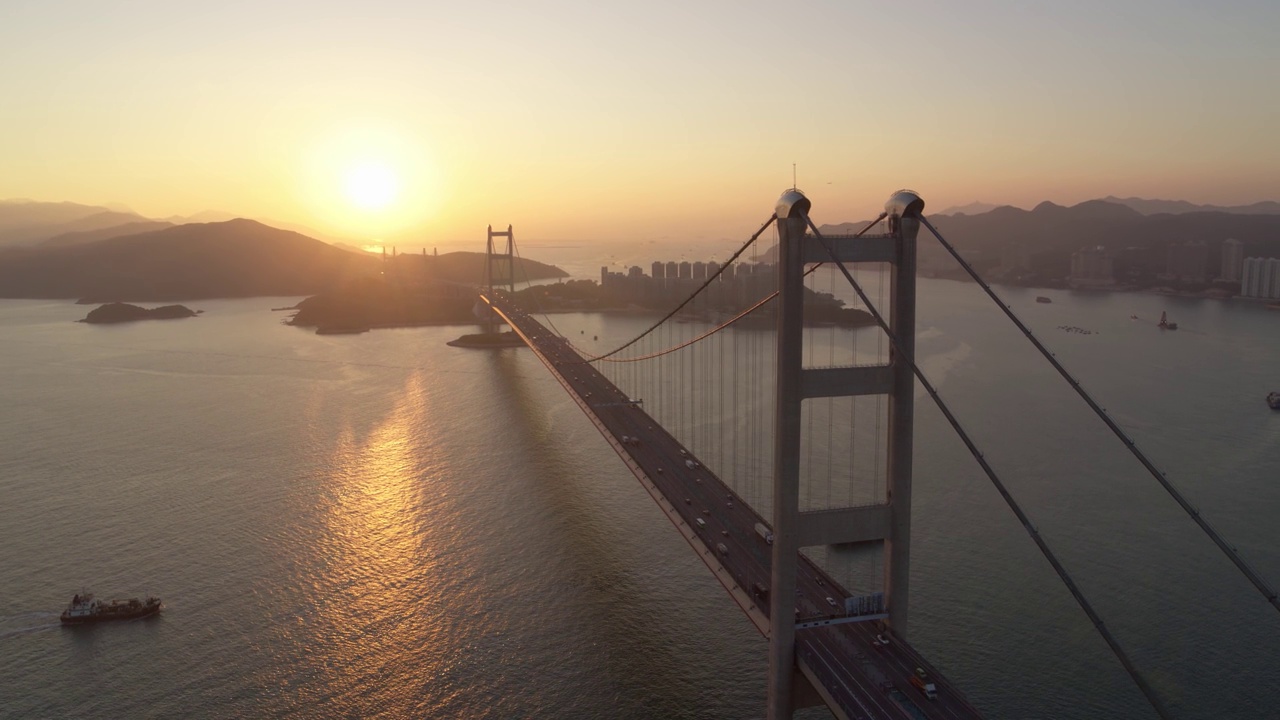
(1232, 260)
(658, 269)
(1260, 278)
(686, 269)
(673, 270)
(1092, 267)
(699, 270)
(1188, 262)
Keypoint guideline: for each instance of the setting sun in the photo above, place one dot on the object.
(371, 186)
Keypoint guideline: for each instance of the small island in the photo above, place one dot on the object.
(488, 340)
(118, 312)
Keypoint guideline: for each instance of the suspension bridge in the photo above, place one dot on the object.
(774, 429)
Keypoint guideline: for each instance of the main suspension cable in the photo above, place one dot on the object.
(763, 301)
(1191, 510)
(1040, 542)
(689, 299)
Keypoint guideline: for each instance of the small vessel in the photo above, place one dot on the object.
(1165, 324)
(1273, 399)
(85, 608)
(1042, 299)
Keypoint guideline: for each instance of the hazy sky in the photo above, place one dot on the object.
(423, 122)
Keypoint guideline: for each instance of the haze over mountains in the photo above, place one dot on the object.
(1144, 206)
(1044, 237)
(235, 258)
(28, 222)
(67, 250)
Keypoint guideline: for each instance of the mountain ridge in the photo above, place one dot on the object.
(234, 258)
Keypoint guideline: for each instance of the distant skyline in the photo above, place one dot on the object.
(422, 123)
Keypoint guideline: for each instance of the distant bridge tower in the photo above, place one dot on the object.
(888, 522)
(499, 267)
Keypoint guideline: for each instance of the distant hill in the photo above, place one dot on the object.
(352, 248)
(206, 216)
(85, 237)
(237, 258)
(24, 222)
(468, 267)
(1048, 234)
(413, 289)
(1178, 207)
(1043, 239)
(974, 208)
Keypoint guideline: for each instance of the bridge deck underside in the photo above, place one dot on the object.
(855, 678)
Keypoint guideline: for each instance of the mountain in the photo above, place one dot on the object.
(1011, 244)
(1178, 207)
(973, 208)
(1039, 242)
(206, 216)
(24, 222)
(468, 267)
(85, 237)
(353, 248)
(236, 258)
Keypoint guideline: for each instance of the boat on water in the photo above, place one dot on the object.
(1165, 324)
(85, 608)
(1273, 399)
(1042, 299)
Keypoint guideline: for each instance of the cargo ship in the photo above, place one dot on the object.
(85, 608)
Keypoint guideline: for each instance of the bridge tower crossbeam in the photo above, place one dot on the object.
(888, 523)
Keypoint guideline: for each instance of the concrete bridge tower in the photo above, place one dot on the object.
(887, 523)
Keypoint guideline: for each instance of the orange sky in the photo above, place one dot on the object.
(421, 123)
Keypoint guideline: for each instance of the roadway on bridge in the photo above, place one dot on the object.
(865, 679)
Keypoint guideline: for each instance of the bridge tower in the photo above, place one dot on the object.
(889, 522)
(500, 266)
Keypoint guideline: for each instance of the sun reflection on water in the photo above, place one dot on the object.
(378, 603)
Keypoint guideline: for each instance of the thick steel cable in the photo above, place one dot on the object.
(763, 301)
(529, 286)
(689, 299)
(1040, 542)
(1191, 510)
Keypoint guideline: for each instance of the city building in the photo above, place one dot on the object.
(1260, 278)
(1188, 262)
(1232, 260)
(1092, 267)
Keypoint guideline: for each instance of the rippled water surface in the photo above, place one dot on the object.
(381, 525)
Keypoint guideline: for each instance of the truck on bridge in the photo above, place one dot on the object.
(765, 533)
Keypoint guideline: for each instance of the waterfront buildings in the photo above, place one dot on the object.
(1188, 262)
(1092, 267)
(1261, 278)
(1232, 260)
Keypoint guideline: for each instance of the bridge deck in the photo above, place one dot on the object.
(854, 678)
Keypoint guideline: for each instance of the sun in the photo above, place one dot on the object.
(371, 186)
